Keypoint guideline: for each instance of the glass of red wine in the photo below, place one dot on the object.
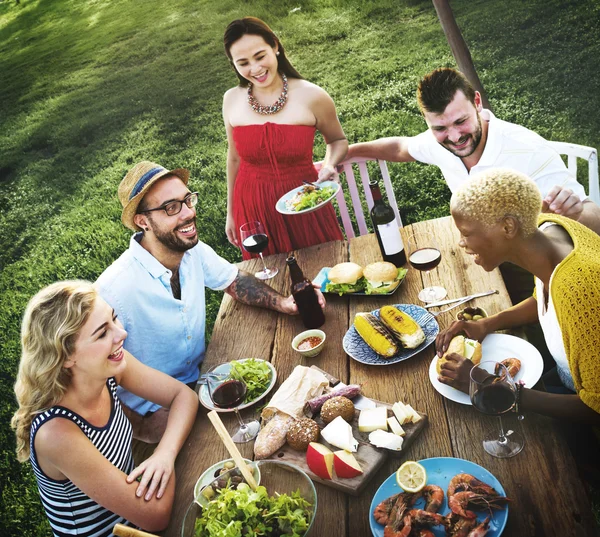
(424, 255)
(255, 240)
(228, 392)
(493, 392)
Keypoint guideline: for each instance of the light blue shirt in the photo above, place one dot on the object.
(163, 332)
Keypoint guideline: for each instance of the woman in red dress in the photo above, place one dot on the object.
(271, 141)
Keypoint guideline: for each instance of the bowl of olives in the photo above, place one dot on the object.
(221, 475)
(471, 314)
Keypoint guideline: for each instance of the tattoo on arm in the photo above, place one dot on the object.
(248, 290)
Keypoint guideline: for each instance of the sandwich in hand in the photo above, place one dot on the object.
(469, 348)
(345, 278)
(382, 277)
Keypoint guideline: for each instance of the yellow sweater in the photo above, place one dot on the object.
(575, 293)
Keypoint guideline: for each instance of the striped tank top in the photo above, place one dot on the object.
(69, 510)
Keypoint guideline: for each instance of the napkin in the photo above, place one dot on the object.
(303, 384)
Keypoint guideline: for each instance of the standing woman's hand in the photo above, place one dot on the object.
(328, 173)
(231, 231)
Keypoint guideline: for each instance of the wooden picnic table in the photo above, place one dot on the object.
(547, 495)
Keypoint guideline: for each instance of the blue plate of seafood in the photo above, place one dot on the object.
(357, 349)
(475, 492)
(307, 198)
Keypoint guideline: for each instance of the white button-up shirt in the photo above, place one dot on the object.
(507, 146)
(163, 332)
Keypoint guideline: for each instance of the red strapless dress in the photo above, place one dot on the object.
(274, 159)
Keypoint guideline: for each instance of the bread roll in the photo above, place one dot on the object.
(301, 433)
(469, 348)
(337, 406)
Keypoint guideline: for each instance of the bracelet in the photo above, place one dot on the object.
(517, 408)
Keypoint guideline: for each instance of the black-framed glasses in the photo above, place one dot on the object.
(174, 207)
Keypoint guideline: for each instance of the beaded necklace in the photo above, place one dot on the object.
(275, 107)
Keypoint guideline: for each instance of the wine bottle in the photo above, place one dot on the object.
(305, 296)
(386, 228)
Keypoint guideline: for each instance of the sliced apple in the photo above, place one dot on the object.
(319, 459)
(346, 466)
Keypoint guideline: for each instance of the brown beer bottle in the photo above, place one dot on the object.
(305, 296)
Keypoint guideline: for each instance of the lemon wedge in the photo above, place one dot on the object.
(411, 476)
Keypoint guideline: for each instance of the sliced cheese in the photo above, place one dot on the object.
(415, 415)
(386, 440)
(395, 426)
(401, 413)
(339, 434)
(371, 419)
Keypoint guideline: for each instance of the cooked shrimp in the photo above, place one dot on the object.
(461, 500)
(513, 365)
(481, 530)
(420, 517)
(460, 526)
(382, 512)
(398, 528)
(469, 482)
(434, 496)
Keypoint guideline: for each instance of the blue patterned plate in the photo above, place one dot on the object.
(282, 207)
(440, 470)
(357, 349)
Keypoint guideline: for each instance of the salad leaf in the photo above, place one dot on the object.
(243, 512)
(255, 373)
(345, 288)
(307, 200)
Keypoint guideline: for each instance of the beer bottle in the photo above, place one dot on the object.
(386, 228)
(305, 296)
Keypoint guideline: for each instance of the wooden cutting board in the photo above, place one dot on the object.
(368, 456)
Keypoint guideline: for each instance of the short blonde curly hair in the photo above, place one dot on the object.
(494, 194)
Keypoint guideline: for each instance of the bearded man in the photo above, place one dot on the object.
(464, 139)
(157, 286)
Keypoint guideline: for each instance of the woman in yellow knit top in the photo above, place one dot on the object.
(498, 216)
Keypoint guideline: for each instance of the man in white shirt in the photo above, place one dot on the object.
(156, 287)
(463, 139)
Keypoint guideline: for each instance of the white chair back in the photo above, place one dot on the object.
(347, 168)
(575, 151)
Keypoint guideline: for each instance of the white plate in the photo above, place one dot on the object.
(497, 347)
(282, 207)
(205, 398)
(358, 350)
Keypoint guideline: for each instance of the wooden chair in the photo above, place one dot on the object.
(347, 168)
(575, 151)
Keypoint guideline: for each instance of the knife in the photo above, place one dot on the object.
(462, 298)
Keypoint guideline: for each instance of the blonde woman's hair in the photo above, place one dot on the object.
(51, 324)
(495, 194)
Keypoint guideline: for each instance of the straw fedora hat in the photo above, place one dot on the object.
(136, 183)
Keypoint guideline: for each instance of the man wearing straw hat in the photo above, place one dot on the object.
(157, 286)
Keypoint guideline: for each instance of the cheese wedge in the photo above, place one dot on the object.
(395, 426)
(415, 415)
(401, 413)
(339, 434)
(371, 419)
(386, 440)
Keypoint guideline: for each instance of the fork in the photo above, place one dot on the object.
(317, 187)
(451, 307)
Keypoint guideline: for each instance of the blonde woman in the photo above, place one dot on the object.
(498, 214)
(70, 424)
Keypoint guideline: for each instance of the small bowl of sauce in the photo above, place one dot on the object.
(309, 343)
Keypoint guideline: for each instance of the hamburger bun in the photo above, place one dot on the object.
(381, 271)
(345, 273)
(469, 348)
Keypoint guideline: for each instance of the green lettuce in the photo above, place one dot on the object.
(345, 288)
(256, 375)
(247, 513)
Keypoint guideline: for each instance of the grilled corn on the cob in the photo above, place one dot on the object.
(375, 334)
(403, 326)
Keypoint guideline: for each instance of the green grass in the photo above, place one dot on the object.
(91, 87)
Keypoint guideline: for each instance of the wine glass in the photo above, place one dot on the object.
(254, 241)
(227, 391)
(493, 392)
(425, 255)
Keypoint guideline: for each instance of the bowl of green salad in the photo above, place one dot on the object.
(285, 503)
